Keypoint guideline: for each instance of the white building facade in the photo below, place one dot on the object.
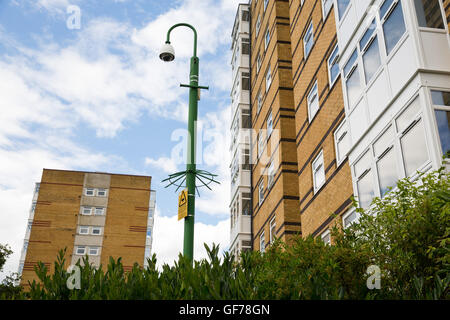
(394, 57)
(240, 206)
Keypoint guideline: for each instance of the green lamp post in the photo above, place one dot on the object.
(189, 176)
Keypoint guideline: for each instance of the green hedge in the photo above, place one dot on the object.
(405, 234)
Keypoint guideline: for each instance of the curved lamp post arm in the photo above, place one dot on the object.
(184, 25)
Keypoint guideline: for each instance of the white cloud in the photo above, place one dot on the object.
(169, 233)
(106, 78)
(168, 165)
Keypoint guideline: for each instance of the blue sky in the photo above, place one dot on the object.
(98, 98)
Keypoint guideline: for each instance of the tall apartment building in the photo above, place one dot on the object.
(101, 215)
(358, 92)
(241, 208)
(395, 68)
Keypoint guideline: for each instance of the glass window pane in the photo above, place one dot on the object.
(384, 8)
(394, 28)
(383, 142)
(414, 148)
(371, 60)
(350, 63)
(353, 87)
(407, 116)
(443, 123)
(429, 14)
(440, 98)
(333, 66)
(342, 6)
(365, 190)
(387, 172)
(349, 219)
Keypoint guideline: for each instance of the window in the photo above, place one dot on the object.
(269, 125)
(83, 230)
(261, 192)
(86, 211)
(245, 46)
(258, 25)
(266, 2)
(25, 245)
(30, 224)
(267, 39)
(342, 142)
(412, 138)
(245, 81)
(99, 211)
(259, 102)
(391, 15)
(364, 181)
(349, 218)
(93, 251)
(258, 63)
(149, 234)
(313, 102)
(268, 79)
(441, 102)
(272, 230)
(352, 82)
(90, 192)
(326, 237)
(260, 143)
(429, 14)
(342, 7)
(308, 40)
(333, 66)
(33, 206)
(245, 15)
(96, 231)
(386, 161)
(370, 52)
(262, 242)
(80, 250)
(36, 188)
(101, 192)
(318, 171)
(271, 175)
(326, 7)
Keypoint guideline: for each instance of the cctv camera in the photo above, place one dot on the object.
(167, 53)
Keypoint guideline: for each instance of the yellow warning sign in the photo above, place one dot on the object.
(183, 204)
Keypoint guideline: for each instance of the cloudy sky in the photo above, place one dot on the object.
(97, 98)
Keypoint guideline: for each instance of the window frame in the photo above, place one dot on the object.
(347, 214)
(78, 248)
(438, 107)
(366, 47)
(81, 228)
(261, 192)
(314, 88)
(87, 190)
(269, 125)
(260, 143)
(267, 38)
(330, 66)
(337, 140)
(94, 248)
(262, 242)
(270, 175)
(268, 78)
(306, 39)
(319, 157)
(354, 69)
(99, 190)
(86, 207)
(272, 229)
(325, 234)
(96, 228)
(384, 19)
(325, 14)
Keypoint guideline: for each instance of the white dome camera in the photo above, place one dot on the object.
(167, 52)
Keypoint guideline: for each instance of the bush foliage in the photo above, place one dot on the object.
(405, 234)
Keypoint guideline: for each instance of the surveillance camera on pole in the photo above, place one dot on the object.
(167, 52)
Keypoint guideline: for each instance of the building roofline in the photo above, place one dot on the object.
(113, 174)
